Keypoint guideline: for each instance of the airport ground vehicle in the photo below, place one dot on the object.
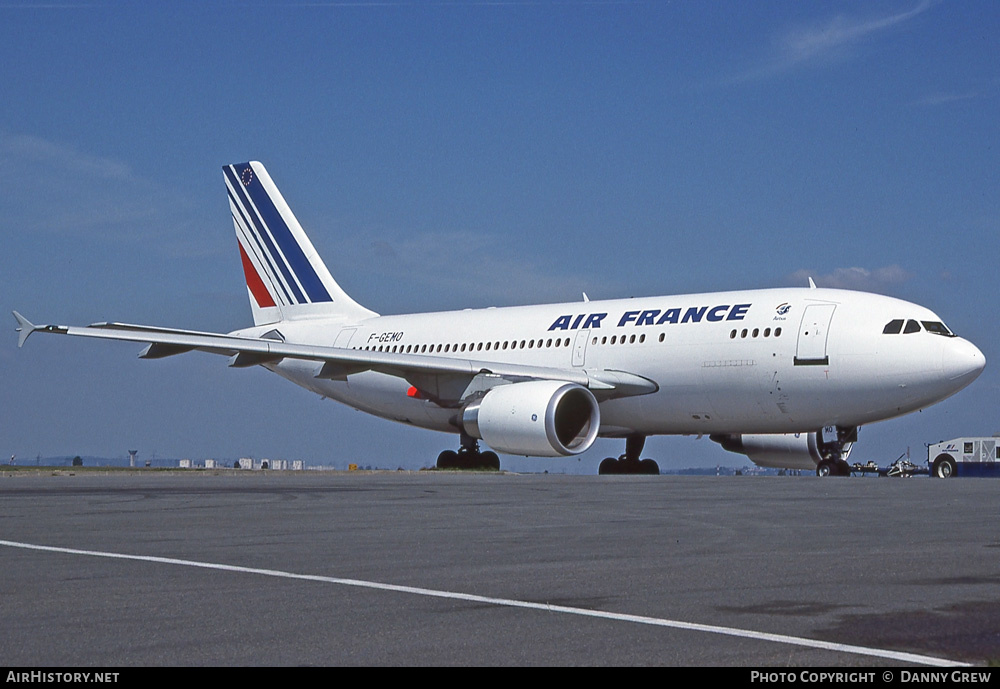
(965, 457)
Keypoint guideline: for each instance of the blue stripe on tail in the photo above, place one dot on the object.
(242, 178)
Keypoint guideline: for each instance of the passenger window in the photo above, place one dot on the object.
(911, 327)
(893, 327)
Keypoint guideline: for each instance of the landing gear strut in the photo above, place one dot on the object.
(469, 457)
(629, 463)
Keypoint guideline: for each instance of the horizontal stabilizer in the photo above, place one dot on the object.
(26, 327)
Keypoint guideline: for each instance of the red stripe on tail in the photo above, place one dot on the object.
(256, 285)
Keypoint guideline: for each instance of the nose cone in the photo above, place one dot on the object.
(962, 362)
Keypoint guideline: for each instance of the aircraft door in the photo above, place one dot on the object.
(813, 335)
(580, 348)
(344, 337)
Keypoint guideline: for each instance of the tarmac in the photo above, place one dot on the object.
(209, 568)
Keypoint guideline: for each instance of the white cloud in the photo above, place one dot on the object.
(831, 39)
(814, 42)
(462, 269)
(943, 98)
(55, 188)
(854, 278)
(33, 149)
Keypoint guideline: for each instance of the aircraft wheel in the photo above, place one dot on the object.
(448, 460)
(490, 460)
(649, 466)
(608, 466)
(944, 467)
(825, 468)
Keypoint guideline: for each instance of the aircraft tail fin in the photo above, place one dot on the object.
(286, 279)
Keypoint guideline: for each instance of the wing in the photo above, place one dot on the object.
(446, 380)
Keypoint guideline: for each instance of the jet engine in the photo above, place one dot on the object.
(541, 418)
(827, 449)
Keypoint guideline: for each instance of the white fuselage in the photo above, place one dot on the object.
(761, 361)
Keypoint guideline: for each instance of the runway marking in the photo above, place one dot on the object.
(511, 603)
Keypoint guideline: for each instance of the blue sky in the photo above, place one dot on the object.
(461, 154)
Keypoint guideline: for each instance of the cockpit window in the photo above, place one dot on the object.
(938, 328)
(893, 327)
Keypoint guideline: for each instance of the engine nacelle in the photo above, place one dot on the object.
(541, 418)
(792, 450)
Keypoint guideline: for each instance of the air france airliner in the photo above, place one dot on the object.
(784, 376)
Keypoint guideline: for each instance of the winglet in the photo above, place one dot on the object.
(24, 327)
(812, 285)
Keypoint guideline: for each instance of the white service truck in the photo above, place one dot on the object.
(965, 457)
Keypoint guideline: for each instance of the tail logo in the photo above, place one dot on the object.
(279, 263)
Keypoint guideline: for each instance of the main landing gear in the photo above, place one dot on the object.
(629, 463)
(469, 457)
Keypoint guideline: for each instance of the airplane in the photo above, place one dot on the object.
(784, 376)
